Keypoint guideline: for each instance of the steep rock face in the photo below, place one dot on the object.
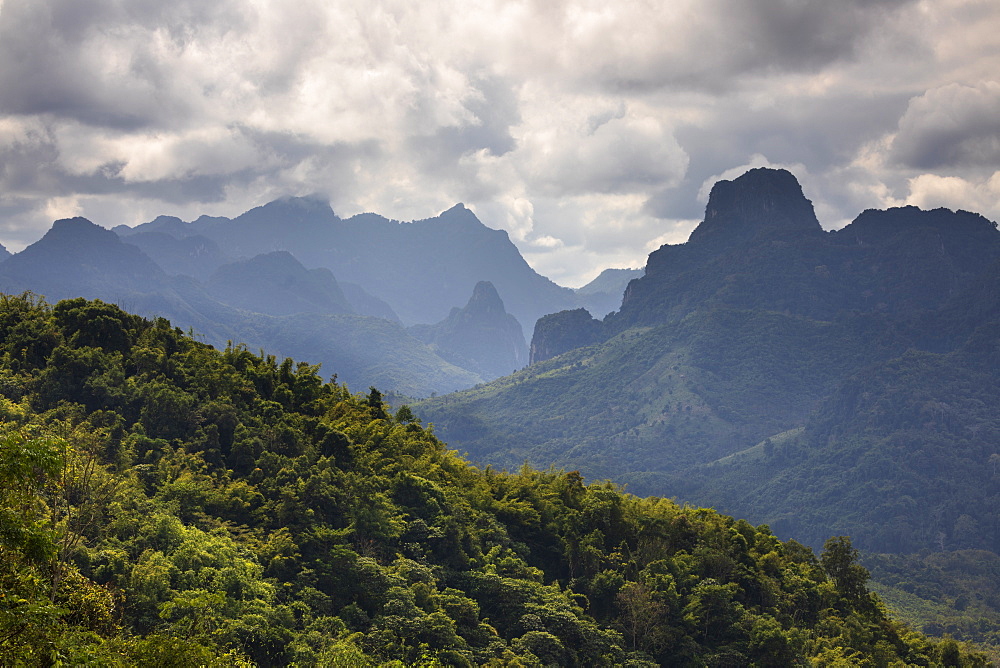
(761, 202)
(758, 220)
(761, 218)
(560, 332)
(277, 284)
(481, 337)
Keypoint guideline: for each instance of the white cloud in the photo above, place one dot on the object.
(930, 191)
(62, 207)
(626, 152)
(546, 242)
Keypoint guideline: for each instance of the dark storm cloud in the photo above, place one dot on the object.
(100, 63)
(796, 35)
(952, 126)
(716, 44)
(23, 163)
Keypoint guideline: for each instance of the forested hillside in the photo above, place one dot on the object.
(165, 503)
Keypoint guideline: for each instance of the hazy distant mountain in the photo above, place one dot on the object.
(277, 284)
(77, 258)
(421, 269)
(4, 253)
(610, 281)
(426, 267)
(482, 336)
(195, 255)
(171, 225)
(604, 294)
(818, 381)
(365, 303)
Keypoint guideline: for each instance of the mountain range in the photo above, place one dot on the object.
(825, 383)
(269, 302)
(822, 382)
(421, 269)
(245, 280)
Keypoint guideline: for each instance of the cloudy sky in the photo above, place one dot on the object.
(590, 130)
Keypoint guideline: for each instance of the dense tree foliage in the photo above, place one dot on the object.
(165, 503)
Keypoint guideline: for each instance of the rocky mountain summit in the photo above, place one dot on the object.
(761, 203)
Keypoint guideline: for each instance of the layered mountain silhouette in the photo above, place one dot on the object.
(277, 277)
(195, 255)
(296, 312)
(277, 284)
(421, 269)
(294, 265)
(365, 303)
(77, 258)
(482, 336)
(822, 382)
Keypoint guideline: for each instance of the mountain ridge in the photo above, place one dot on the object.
(724, 343)
(421, 268)
(77, 258)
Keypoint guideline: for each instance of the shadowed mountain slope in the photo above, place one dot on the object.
(758, 331)
(309, 320)
(277, 284)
